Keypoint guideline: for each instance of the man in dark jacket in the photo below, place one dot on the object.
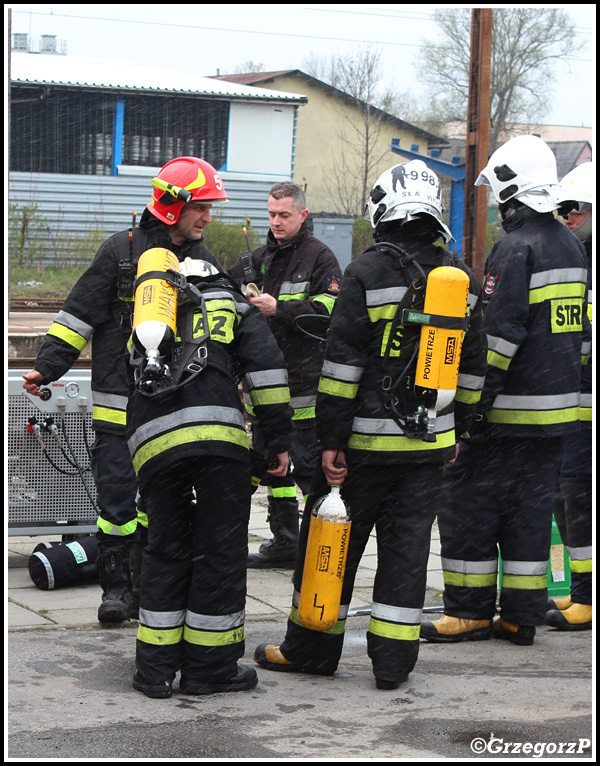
(375, 438)
(501, 487)
(299, 279)
(573, 509)
(101, 305)
(187, 437)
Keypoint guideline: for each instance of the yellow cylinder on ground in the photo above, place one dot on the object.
(436, 376)
(323, 574)
(155, 308)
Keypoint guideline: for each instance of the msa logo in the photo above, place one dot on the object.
(450, 350)
(323, 558)
(147, 294)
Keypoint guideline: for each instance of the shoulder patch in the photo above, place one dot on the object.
(332, 283)
(490, 283)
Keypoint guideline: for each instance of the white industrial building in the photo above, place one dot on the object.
(87, 135)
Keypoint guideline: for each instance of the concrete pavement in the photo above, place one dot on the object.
(269, 591)
(70, 696)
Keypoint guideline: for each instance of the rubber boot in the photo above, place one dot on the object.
(452, 630)
(562, 603)
(521, 635)
(575, 617)
(280, 552)
(115, 579)
(244, 678)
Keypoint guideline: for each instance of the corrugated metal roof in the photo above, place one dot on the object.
(127, 75)
(251, 77)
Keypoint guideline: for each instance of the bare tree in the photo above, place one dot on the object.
(249, 67)
(526, 42)
(362, 113)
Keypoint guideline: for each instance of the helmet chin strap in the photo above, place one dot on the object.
(584, 231)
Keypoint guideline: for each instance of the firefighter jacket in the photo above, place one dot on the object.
(100, 305)
(304, 276)
(352, 412)
(535, 316)
(203, 415)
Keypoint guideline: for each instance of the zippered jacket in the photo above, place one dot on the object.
(535, 316)
(304, 276)
(96, 311)
(204, 414)
(351, 411)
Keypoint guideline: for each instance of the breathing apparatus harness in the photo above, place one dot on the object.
(190, 357)
(396, 388)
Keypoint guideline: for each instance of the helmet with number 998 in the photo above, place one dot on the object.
(404, 193)
(183, 180)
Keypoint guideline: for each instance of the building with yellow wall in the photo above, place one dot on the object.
(330, 139)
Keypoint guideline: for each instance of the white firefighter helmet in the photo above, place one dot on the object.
(579, 185)
(404, 193)
(194, 267)
(524, 168)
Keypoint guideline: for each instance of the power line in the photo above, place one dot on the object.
(264, 33)
(390, 13)
(221, 29)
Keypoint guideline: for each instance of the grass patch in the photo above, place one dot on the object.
(42, 282)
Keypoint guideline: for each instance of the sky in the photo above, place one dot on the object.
(210, 39)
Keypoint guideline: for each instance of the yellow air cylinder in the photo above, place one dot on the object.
(324, 563)
(155, 308)
(436, 377)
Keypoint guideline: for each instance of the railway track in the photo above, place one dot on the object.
(35, 305)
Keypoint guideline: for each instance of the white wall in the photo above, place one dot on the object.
(261, 139)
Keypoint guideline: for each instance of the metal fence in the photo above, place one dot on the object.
(53, 218)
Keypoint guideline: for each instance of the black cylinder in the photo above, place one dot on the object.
(56, 565)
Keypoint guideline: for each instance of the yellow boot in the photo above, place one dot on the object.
(575, 617)
(452, 630)
(560, 603)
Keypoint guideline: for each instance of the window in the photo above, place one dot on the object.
(59, 131)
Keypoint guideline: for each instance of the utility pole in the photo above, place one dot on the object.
(477, 143)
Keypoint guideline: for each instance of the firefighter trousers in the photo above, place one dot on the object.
(399, 502)
(498, 496)
(193, 586)
(116, 487)
(573, 510)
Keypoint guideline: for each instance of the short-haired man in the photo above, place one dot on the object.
(101, 305)
(297, 275)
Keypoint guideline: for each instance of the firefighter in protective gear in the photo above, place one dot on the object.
(573, 506)
(100, 305)
(499, 490)
(191, 454)
(390, 476)
(299, 279)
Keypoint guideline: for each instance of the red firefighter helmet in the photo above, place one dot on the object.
(183, 180)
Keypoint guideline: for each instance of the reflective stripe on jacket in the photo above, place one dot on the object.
(94, 311)
(351, 414)
(535, 316)
(304, 276)
(204, 415)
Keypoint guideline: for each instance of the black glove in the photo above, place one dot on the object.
(477, 431)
